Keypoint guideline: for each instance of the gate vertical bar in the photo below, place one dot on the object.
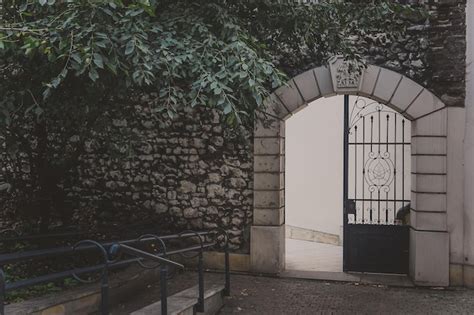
(388, 154)
(403, 162)
(345, 181)
(355, 173)
(395, 169)
(363, 170)
(379, 153)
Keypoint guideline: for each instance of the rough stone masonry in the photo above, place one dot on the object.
(191, 173)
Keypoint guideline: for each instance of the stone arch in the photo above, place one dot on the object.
(429, 237)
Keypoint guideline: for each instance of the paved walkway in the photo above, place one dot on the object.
(273, 296)
(312, 256)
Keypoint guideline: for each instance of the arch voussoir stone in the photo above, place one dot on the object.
(274, 107)
(424, 104)
(406, 92)
(307, 86)
(369, 79)
(324, 80)
(290, 97)
(387, 83)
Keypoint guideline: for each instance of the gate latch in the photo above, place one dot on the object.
(351, 207)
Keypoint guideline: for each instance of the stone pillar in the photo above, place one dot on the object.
(429, 238)
(455, 193)
(267, 236)
(468, 268)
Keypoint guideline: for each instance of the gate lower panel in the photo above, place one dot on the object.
(377, 248)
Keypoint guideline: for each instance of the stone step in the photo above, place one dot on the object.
(184, 302)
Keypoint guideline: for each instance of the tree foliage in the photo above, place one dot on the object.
(64, 64)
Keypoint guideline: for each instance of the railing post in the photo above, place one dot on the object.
(104, 277)
(104, 290)
(2, 292)
(226, 260)
(163, 289)
(200, 305)
(227, 271)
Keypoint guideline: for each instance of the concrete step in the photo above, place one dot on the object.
(184, 302)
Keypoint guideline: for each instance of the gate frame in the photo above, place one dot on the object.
(436, 162)
(355, 235)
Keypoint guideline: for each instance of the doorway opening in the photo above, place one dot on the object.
(353, 215)
(314, 187)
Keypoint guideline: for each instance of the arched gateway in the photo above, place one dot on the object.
(435, 153)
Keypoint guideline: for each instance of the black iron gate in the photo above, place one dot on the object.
(376, 188)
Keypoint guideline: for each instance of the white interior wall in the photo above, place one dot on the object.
(313, 174)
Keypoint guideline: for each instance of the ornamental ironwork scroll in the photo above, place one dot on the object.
(379, 151)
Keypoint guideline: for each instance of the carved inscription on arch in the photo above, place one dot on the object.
(346, 75)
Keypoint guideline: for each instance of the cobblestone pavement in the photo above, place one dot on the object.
(273, 296)
(263, 295)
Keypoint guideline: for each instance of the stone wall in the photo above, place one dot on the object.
(188, 174)
(447, 51)
(433, 53)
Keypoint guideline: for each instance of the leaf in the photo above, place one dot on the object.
(93, 75)
(242, 74)
(76, 57)
(98, 60)
(101, 44)
(227, 108)
(130, 47)
(43, 2)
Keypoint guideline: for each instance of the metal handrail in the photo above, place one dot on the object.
(21, 238)
(109, 251)
(146, 255)
(64, 274)
(16, 257)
